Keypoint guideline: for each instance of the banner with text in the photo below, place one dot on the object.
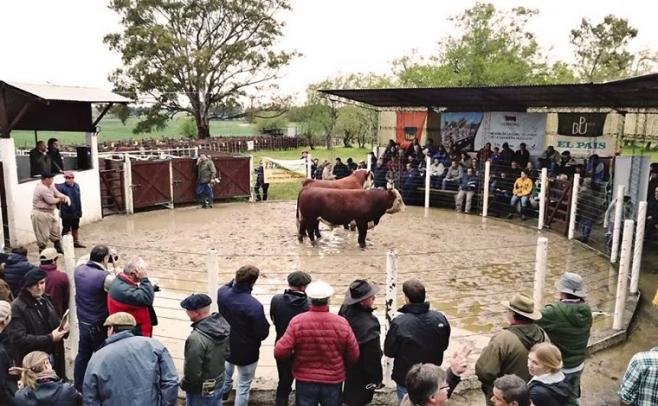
(582, 134)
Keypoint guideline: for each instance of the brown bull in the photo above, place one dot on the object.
(359, 179)
(337, 207)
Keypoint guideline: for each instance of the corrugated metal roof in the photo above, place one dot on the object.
(70, 93)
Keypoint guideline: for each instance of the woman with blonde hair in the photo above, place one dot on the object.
(40, 385)
(548, 386)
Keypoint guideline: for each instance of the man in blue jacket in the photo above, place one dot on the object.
(16, 267)
(249, 327)
(71, 213)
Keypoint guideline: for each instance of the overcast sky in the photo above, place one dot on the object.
(61, 41)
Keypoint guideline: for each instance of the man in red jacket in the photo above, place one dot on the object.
(323, 344)
(132, 292)
(57, 283)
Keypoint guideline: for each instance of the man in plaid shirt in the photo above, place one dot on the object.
(640, 384)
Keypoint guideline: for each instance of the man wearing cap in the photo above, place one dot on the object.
(418, 335)
(35, 324)
(205, 352)
(57, 283)
(129, 370)
(283, 308)
(507, 352)
(365, 375)
(45, 199)
(71, 213)
(323, 345)
(568, 322)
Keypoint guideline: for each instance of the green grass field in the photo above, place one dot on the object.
(631, 151)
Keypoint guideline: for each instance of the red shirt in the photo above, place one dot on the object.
(57, 287)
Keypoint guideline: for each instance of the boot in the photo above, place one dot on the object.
(281, 401)
(76, 239)
(58, 246)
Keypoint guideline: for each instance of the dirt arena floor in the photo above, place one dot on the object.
(469, 264)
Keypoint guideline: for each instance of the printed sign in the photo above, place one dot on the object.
(513, 128)
(459, 129)
(581, 124)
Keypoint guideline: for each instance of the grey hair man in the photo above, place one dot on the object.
(133, 293)
(510, 390)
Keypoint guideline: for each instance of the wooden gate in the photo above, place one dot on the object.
(235, 177)
(558, 206)
(184, 180)
(151, 183)
(112, 179)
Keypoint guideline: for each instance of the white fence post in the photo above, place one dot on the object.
(368, 163)
(309, 162)
(428, 162)
(71, 343)
(622, 280)
(619, 212)
(212, 267)
(639, 242)
(391, 307)
(574, 205)
(542, 198)
(541, 257)
(128, 184)
(485, 191)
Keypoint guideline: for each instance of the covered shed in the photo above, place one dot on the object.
(47, 108)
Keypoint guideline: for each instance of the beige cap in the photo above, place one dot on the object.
(49, 254)
(120, 319)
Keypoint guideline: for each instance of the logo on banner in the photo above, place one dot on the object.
(410, 133)
(581, 124)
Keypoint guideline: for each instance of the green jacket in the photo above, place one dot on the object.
(568, 325)
(507, 353)
(206, 171)
(206, 350)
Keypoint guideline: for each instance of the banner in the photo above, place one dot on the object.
(581, 124)
(459, 129)
(409, 127)
(284, 170)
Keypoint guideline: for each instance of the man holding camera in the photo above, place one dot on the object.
(207, 176)
(132, 292)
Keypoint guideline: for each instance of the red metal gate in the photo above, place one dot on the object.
(558, 206)
(235, 177)
(184, 172)
(151, 183)
(112, 187)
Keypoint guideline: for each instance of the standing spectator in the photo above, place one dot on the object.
(56, 161)
(315, 163)
(57, 283)
(501, 189)
(468, 184)
(507, 351)
(548, 386)
(453, 175)
(418, 335)
(260, 182)
(506, 155)
(328, 171)
(42, 386)
(639, 387)
(206, 175)
(283, 308)
(132, 292)
(16, 267)
(365, 375)
(340, 170)
(522, 156)
(7, 385)
(596, 169)
(45, 199)
(248, 328)
(485, 153)
(510, 390)
(34, 322)
(521, 195)
(568, 323)
(39, 160)
(323, 345)
(71, 213)
(205, 352)
(379, 174)
(92, 281)
(130, 370)
(410, 181)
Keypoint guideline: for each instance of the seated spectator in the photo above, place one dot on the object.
(468, 185)
(340, 169)
(132, 292)
(379, 174)
(436, 173)
(510, 390)
(652, 217)
(7, 385)
(501, 190)
(638, 387)
(41, 385)
(466, 161)
(520, 195)
(485, 153)
(351, 165)
(40, 161)
(453, 175)
(495, 157)
(515, 170)
(522, 156)
(506, 155)
(548, 386)
(531, 171)
(16, 267)
(568, 165)
(549, 159)
(442, 156)
(57, 283)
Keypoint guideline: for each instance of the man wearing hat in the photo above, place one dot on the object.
(507, 352)
(323, 343)
(283, 308)
(129, 369)
(71, 213)
(205, 352)
(45, 199)
(568, 322)
(35, 324)
(57, 283)
(365, 375)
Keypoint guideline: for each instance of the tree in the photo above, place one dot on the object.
(191, 55)
(602, 50)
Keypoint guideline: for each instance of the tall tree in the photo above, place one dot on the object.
(190, 55)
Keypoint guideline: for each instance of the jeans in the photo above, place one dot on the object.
(574, 380)
(245, 377)
(459, 199)
(312, 394)
(197, 399)
(284, 387)
(586, 227)
(449, 182)
(401, 391)
(204, 192)
(515, 202)
(91, 339)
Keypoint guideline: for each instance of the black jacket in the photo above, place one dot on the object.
(49, 393)
(418, 335)
(379, 176)
(522, 157)
(341, 170)
(284, 307)
(7, 384)
(368, 370)
(56, 161)
(553, 394)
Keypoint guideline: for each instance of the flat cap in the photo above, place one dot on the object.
(33, 276)
(120, 319)
(196, 301)
(298, 279)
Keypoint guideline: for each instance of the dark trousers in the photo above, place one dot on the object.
(91, 339)
(263, 186)
(284, 387)
(204, 193)
(314, 394)
(70, 223)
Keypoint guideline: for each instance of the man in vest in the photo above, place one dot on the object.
(133, 293)
(92, 281)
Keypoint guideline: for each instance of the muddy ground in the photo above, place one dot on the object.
(468, 264)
